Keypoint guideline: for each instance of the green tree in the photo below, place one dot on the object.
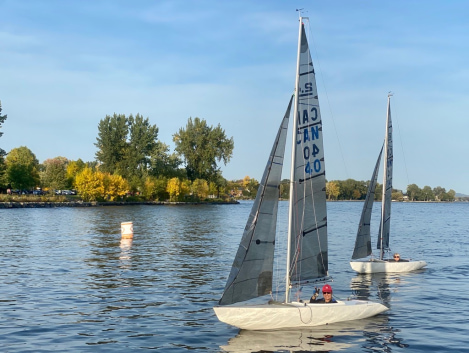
(54, 175)
(142, 142)
(447, 196)
(200, 189)
(112, 143)
(220, 184)
(379, 192)
(351, 189)
(452, 195)
(414, 193)
(129, 146)
(285, 189)
(202, 146)
(163, 164)
(438, 192)
(22, 168)
(397, 195)
(428, 194)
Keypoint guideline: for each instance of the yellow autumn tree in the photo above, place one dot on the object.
(185, 189)
(149, 187)
(90, 184)
(213, 189)
(174, 189)
(116, 186)
(200, 188)
(73, 168)
(332, 190)
(178, 189)
(155, 188)
(246, 181)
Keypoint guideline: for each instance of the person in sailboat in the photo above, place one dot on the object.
(397, 258)
(326, 293)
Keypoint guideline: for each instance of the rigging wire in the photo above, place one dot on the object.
(340, 148)
(318, 61)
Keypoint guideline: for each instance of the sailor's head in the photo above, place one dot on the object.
(397, 256)
(327, 289)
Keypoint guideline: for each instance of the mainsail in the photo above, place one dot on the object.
(383, 235)
(251, 273)
(308, 228)
(363, 240)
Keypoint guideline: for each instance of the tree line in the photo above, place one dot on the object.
(350, 189)
(131, 161)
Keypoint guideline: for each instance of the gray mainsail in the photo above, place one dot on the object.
(308, 229)
(251, 273)
(363, 241)
(385, 226)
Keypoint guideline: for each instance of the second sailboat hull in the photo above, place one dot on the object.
(296, 314)
(379, 266)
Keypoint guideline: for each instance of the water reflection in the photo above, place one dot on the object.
(125, 255)
(332, 337)
(380, 286)
(372, 286)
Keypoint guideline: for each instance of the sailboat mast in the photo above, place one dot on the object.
(385, 178)
(293, 158)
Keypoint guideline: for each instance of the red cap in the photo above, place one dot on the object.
(327, 289)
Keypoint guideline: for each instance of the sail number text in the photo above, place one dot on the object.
(308, 132)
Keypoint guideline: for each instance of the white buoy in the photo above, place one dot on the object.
(127, 230)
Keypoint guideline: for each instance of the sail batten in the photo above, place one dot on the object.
(309, 72)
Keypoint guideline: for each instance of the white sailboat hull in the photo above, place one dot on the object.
(295, 314)
(379, 266)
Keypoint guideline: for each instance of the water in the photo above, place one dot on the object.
(69, 283)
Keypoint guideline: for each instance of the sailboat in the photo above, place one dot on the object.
(245, 302)
(363, 240)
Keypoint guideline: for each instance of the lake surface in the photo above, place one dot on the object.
(70, 283)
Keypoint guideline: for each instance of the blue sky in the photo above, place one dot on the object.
(65, 65)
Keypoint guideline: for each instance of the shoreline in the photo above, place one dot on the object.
(27, 204)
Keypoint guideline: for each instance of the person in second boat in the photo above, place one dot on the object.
(326, 293)
(397, 258)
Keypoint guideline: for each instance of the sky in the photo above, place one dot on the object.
(65, 65)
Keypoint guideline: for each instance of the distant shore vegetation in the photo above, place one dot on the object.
(132, 164)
